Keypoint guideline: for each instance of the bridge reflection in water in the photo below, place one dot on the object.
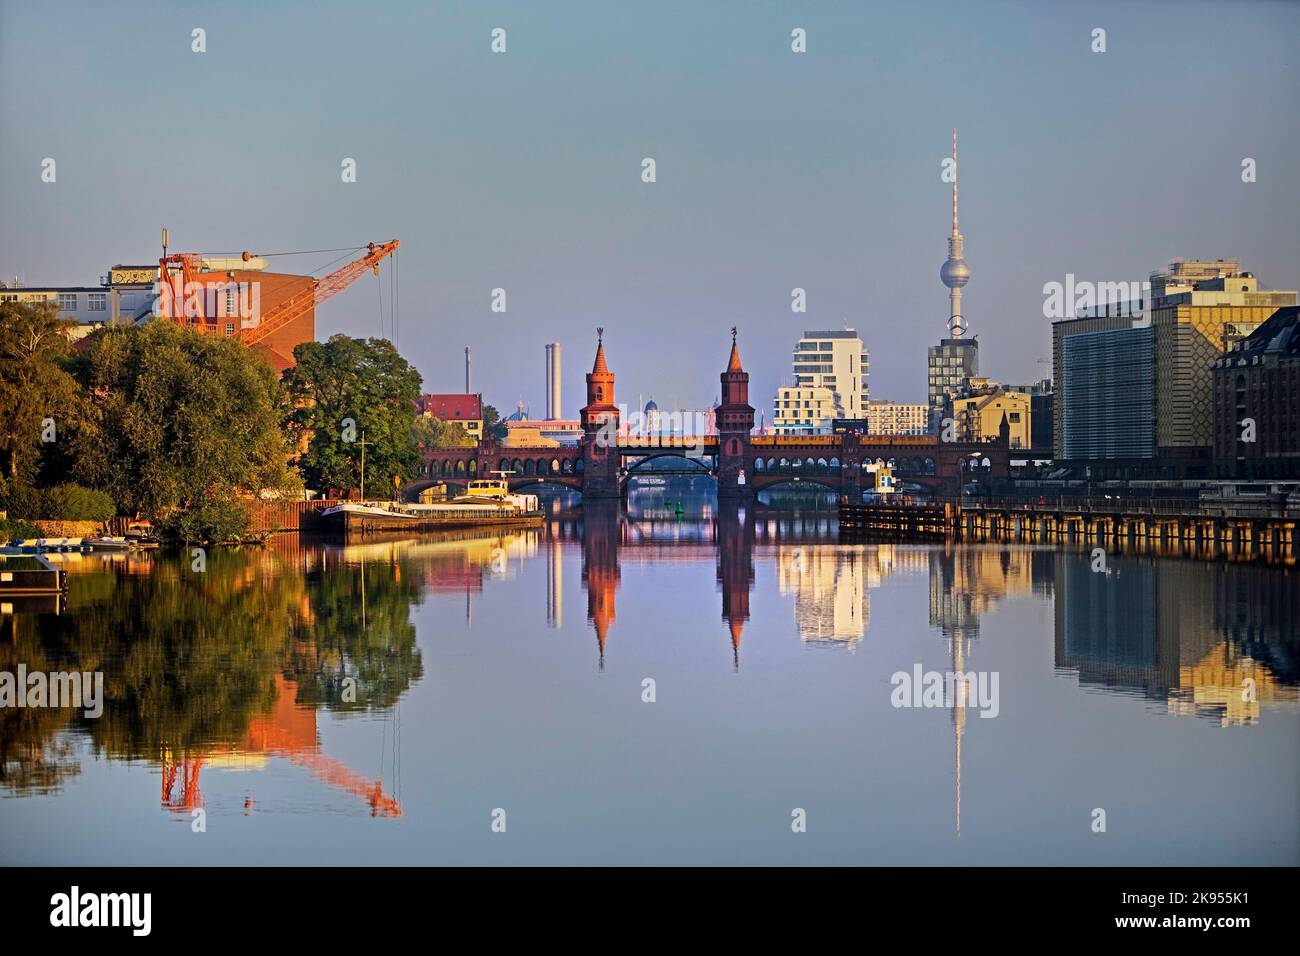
(238, 669)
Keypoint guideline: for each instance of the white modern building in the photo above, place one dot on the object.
(830, 369)
(803, 411)
(897, 418)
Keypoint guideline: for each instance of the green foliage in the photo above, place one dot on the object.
(12, 529)
(493, 425)
(179, 420)
(433, 432)
(191, 660)
(36, 390)
(366, 382)
(70, 502)
(212, 521)
(19, 499)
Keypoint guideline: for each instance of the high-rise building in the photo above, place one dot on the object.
(1107, 390)
(1196, 318)
(1061, 330)
(952, 363)
(1257, 402)
(830, 378)
(554, 407)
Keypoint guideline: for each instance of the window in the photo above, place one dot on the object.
(98, 302)
(230, 328)
(67, 302)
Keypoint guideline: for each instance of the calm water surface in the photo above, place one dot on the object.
(377, 704)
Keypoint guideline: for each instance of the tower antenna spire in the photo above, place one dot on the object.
(955, 273)
(954, 181)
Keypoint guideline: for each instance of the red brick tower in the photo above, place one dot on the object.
(600, 421)
(735, 417)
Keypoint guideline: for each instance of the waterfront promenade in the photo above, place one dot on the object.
(1208, 529)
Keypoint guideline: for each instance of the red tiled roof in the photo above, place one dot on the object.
(451, 407)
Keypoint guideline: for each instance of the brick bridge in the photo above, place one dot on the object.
(742, 463)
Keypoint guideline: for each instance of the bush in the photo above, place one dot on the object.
(12, 529)
(19, 500)
(212, 522)
(76, 503)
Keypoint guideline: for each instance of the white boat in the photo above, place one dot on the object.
(111, 543)
(367, 509)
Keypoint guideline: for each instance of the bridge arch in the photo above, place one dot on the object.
(639, 466)
(826, 482)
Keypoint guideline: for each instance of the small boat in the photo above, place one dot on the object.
(111, 543)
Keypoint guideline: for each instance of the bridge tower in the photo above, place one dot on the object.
(735, 418)
(600, 420)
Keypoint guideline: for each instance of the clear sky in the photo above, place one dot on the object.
(522, 170)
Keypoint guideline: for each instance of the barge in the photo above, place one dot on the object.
(489, 504)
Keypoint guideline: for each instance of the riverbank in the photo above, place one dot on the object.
(1186, 528)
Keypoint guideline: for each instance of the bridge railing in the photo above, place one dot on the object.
(667, 441)
(1172, 507)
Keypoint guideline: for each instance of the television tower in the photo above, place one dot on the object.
(955, 273)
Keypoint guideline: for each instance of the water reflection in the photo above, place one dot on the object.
(1204, 639)
(239, 667)
(234, 660)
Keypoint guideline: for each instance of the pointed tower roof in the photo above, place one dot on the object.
(600, 368)
(737, 627)
(734, 364)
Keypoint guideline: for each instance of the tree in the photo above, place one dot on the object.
(346, 388)
(433, 432)
(493, 426)
(180, 422)
(40, 402)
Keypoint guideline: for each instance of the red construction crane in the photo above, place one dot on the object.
(176, 303)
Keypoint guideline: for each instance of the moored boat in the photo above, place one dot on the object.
(111, 543)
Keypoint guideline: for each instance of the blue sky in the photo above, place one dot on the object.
(775, 170)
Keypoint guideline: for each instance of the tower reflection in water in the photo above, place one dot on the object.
(234, 667)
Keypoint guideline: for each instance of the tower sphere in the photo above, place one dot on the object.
(954, 273)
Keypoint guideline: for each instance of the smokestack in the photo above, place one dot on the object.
(553, 401)
(467, 378)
